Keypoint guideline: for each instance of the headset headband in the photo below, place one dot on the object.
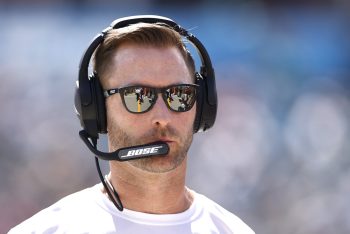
(207, 106)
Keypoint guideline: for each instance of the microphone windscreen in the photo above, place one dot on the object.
(152, 149)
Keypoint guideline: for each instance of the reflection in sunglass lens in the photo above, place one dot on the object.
(138, 99)
(180, 98)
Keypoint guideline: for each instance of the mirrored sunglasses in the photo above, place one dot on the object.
(140, 99)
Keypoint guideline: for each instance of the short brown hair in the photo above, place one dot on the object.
(159, 35)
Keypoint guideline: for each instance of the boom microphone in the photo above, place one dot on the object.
(129, 153)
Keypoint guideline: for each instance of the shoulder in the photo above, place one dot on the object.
(224, 220)
(61, 214)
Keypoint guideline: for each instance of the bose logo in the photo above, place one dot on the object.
(142, 151)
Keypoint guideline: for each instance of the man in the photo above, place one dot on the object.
(152, 60)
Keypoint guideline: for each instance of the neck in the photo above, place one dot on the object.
(156, 193)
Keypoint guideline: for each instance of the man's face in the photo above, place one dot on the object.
(156, 67)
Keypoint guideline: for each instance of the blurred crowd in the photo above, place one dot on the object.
(278, 155)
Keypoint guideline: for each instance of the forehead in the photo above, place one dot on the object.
(147, 65)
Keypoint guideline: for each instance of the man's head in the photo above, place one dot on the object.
(150, 55)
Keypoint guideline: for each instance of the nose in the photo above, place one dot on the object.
(161, 115)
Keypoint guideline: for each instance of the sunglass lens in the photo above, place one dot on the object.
(138, 99)
(180, 98)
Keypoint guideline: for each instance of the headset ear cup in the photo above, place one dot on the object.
(86, 111)
(92, 114)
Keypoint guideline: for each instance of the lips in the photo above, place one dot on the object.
(166, 140)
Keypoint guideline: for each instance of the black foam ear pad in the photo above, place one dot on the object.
(100, 105)
(199, 104)
(208, 111)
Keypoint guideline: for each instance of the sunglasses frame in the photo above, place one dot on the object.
(110, 92)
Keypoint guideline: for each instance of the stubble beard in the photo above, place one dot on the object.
(118, 138)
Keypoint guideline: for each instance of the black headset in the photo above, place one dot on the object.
(89, 98)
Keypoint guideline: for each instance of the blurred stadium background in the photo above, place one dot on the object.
(278, 156)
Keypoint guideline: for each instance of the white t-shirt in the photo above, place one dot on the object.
(90, 211)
